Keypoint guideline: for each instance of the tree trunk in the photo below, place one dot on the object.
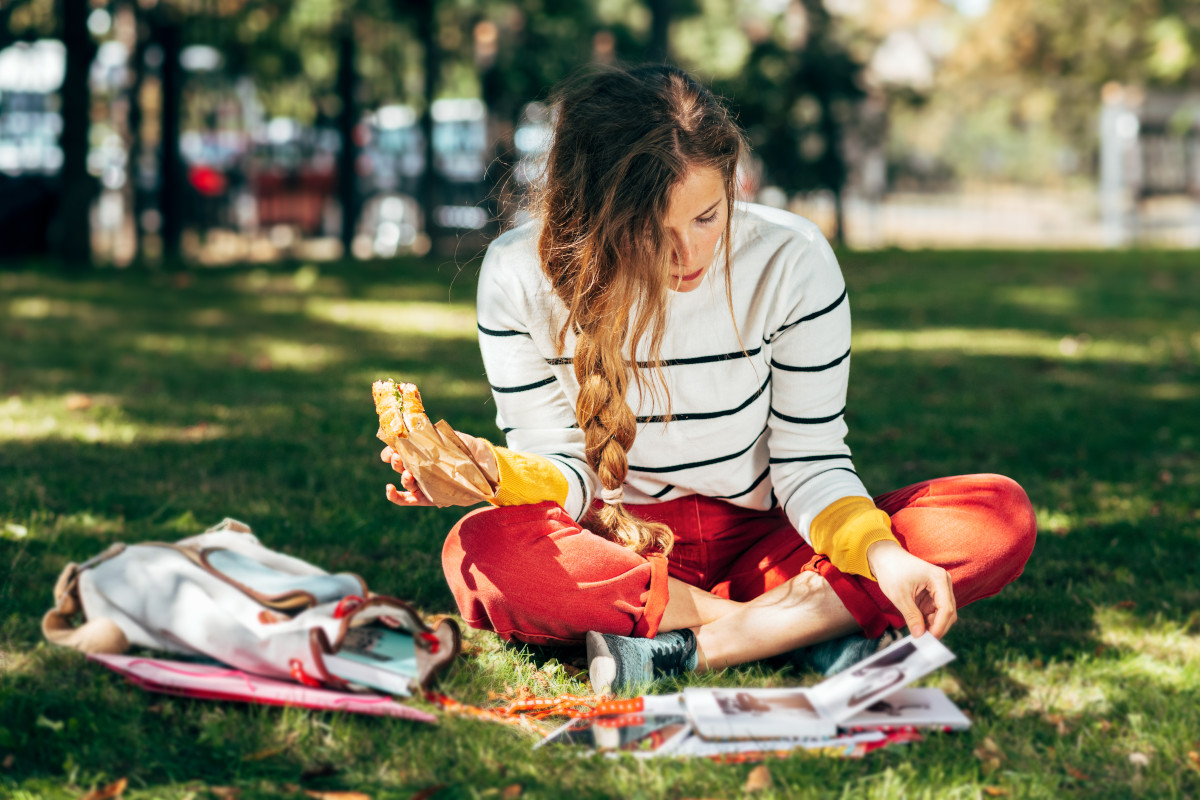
(658, 51)
(72, 239)
(348, 158)
(170, 197)
(428, 195)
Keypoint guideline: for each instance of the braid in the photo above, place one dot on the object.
(609, 428)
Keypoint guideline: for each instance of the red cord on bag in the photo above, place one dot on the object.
(347, 604)
(297, 669)
(431, 640)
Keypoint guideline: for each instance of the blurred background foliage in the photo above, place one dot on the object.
(223, 130)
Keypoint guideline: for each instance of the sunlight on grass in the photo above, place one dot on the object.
(1057, 299)
(306, 278)
(441, 320)
(1160, 655)
(1003, 342)
(1164, 641)
(1054, 521)
(32, 308)
(260, 352)
(103, 420)
(1171, 390)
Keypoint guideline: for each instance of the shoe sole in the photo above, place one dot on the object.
(602, 667)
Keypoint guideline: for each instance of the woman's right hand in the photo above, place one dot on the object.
(410, 494)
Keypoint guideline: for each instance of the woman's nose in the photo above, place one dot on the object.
(683, 251)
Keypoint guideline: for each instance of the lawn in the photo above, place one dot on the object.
(139, 406)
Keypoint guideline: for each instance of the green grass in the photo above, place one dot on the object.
(148, 406)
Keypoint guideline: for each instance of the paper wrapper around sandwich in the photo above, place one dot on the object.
(440, 463)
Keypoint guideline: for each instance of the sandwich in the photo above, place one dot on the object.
(440, 463)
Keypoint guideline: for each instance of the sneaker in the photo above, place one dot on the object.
(836, 655)
(622, 663)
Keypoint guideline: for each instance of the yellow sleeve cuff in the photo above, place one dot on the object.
(844, 531)
(526, 479)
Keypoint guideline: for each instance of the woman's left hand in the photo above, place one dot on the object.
(921, 591)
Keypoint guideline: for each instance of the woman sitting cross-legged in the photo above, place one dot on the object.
(669, 367)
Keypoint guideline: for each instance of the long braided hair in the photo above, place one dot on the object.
(623, 139)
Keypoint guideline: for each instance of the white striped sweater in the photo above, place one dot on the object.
(757, 422)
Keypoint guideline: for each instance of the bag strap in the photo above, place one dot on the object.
(98, 635)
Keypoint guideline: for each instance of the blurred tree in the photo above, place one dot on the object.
(70, 233)
(1031, 71)
(796, 97)
(28, 21)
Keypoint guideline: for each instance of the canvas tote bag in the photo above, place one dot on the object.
(223, 595)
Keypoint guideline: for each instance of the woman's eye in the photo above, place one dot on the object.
(706, 220)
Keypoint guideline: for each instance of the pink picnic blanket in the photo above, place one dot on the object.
(209, 682)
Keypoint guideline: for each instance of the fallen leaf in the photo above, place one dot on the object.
(225, 792)
(1194, 759)
(1076, 774)
(428, 792)
(758, 779)
(9, 760)
(989, 754)
(1139, 759)
(78, 402)
(263, 755)
(1059, 722)
(995, 791)
(1126, 604)
(319, 795)
(318, 771)
(511, 791)
(195, 432)
(111, 792)
(1104, 725)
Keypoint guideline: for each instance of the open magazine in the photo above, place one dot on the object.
(380, 658)
(860, 709)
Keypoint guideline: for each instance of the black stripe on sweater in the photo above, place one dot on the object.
(578, 476)
(819, 368)
(829, 457)
(693, 415)
(527, 387)
(675, 362)
(666, 489)
(806, 318)
(692, 464)
(809, 420)
(753, 486)
(491, 332)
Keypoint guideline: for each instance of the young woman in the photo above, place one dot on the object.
(670, 367)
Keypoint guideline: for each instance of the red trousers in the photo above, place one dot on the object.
(531, 573)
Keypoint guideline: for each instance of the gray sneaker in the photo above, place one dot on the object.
(624, 663)
(837, 655)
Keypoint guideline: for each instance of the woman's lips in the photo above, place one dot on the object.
(689, 277)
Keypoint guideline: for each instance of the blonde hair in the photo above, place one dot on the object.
(623, 139)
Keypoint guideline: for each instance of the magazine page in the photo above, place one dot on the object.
(640, 734)
(878, 676)
(377, 657)
(910, 708)
(693, 745)
(756, 714)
